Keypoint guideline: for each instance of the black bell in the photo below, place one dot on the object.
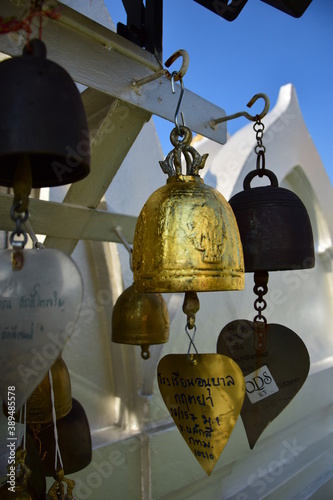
(274, 226)
(42, 121)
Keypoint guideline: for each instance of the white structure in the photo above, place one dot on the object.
(138, 452)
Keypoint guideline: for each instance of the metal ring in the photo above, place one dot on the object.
(184, 132)
(19, 244)
(254, 173)
(23, 218)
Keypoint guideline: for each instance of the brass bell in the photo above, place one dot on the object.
(140, 319)
(24, 480)
(186, 237)
(42, 119)
(274, 226)
(74, 441)
(39, 404)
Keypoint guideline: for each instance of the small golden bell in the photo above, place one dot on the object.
(186, 237)
(140, 319)
(39, 404)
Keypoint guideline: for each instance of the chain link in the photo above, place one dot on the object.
(260, 149)
(19, 219)
(260, 288)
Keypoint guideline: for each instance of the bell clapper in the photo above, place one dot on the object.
(57, 490)
(191, 306)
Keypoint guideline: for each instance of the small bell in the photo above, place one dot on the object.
(140, 319)
(74, 441)
(274, 226)
(186, 237)
(42, 120)
(39, 404)
(17, 486)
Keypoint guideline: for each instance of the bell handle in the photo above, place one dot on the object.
(260, 173)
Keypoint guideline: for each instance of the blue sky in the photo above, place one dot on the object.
(260, 51)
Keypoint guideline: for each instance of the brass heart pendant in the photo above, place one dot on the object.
(204, 394)
(275, 365)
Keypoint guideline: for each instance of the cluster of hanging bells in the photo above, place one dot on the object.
(44, 141)
(73, 432)
(189, 238)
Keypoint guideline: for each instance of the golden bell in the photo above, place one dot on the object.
(186, 237)
(39, 404)
(140, 319)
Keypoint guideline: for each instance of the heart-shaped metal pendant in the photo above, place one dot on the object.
(39, 305)
(275, 363)
(204, 394)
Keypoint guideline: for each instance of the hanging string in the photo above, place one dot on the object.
(24, 423)
(191, 344)
(54, 417)
(12, 24)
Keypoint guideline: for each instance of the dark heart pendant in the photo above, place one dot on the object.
(275, 364)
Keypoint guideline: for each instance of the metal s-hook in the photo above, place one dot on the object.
(178, 75)
(247, 115)
(182, 90)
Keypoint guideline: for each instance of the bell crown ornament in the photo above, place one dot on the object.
(274, 225)
(42, 120)
(186, 237)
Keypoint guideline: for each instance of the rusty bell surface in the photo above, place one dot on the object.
(274, 226)
(186, 236)
(42, 121)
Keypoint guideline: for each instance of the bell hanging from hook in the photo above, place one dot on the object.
(274, 224)
(186, 237)
(140, 319)
(43, 121)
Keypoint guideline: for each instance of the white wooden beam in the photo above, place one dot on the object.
(99, 58)
(63, 221)
(111, 143)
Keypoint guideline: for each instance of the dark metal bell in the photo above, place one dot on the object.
(42, 120)
(274, 226)
(74, 441)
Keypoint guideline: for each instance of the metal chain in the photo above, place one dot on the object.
(18, 218)
(260, 149)
(260, 288)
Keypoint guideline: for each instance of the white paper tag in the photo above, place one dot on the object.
(260, 384)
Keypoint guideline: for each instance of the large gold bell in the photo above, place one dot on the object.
(39, 404)
(42, 120)
(140, 319)
(186, 237)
